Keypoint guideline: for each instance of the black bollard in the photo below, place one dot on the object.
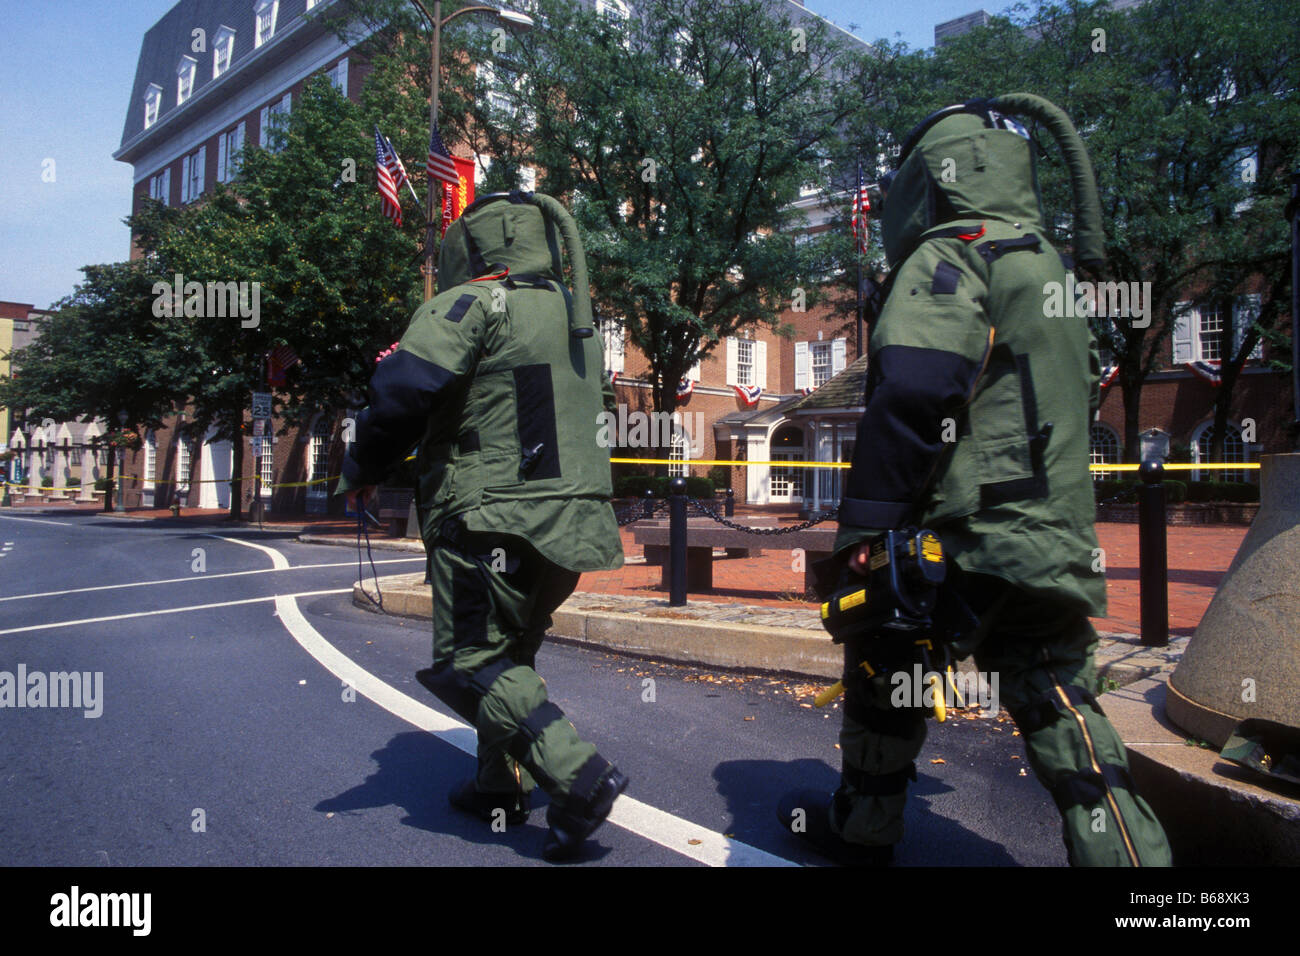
(648, 504)
(677, 542)
(1153, 555)
(730, 506)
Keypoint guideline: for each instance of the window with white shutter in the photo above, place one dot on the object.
(1182, 338)
(339, 76)
(1245, 311)
(733, 352)
(839, 355)
(802, 366)
(760, 365)
(273, 117)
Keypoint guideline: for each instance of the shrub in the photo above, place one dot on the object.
(103, 484)
(720, 475)
(1231, 491)
(1175, 491)
(47, 481)
(73, 482)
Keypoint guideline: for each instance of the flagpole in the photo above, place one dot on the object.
(857, 251)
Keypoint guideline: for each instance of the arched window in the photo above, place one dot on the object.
(1103, 449)
(1234, 450)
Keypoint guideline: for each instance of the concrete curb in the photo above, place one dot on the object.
(648, 627)
(1213, 811)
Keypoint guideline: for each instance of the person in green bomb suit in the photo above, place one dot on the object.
(979, 400)
(500, 381)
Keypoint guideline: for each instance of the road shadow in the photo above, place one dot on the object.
(415, 771)
(752, 789)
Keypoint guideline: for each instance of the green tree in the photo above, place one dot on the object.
(1176, 100)
(681, 136)
(102, 352)
(332, 278)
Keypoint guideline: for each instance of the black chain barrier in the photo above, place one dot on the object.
(637, 512)
(705, 510)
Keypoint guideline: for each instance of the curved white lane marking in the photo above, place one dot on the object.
(198, 576)
(658, 826)
(165, 610)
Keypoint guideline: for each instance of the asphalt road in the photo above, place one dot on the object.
(250, 715)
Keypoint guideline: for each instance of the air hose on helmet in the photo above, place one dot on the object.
(580, 319)
(1089, 237)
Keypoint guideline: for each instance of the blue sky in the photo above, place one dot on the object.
(66, 69)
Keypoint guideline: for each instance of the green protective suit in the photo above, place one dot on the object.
(979, 402)
(514, 489)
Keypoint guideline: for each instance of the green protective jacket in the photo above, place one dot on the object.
(980, 392)
(502, 400)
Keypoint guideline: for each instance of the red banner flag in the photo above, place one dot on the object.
(456, 198)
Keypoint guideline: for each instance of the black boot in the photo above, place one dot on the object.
(807, 815)
(467, 797)
(573, 823)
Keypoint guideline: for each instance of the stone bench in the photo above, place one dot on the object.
(704, 534)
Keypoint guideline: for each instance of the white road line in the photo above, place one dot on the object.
(61, 524)
(658, 826)
(166, 610)
(197, 576)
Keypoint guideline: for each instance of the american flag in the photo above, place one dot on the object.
(393, 163)
(387, 187)
(861, 206)
(281, 359)
(440, 161)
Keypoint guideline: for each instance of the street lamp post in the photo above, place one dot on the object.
(437, 21)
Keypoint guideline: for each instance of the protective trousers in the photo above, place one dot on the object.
(492, 601)
(1043, 656)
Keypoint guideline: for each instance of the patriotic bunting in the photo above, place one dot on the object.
(749, 394)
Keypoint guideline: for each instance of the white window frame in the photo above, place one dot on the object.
(613, 333)
(184, 465)
(150, 460)
(268, 465)
(758, 365)
(1188, 342)
(338, 75)
(679, 451)
(225, 43)
(746, 357)
(193, 167)
(229, 145)
(160, 186)
(264, 28)
(186, 71)
(270, 119)
(152, 104)
(318, 448)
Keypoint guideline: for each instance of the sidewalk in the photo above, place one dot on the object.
(755, 615)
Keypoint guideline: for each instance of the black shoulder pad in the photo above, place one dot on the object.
(457, 311)
(945, 279)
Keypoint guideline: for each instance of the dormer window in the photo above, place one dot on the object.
(185, 79)
(265, 12)
(152, 104)
(223, 52)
